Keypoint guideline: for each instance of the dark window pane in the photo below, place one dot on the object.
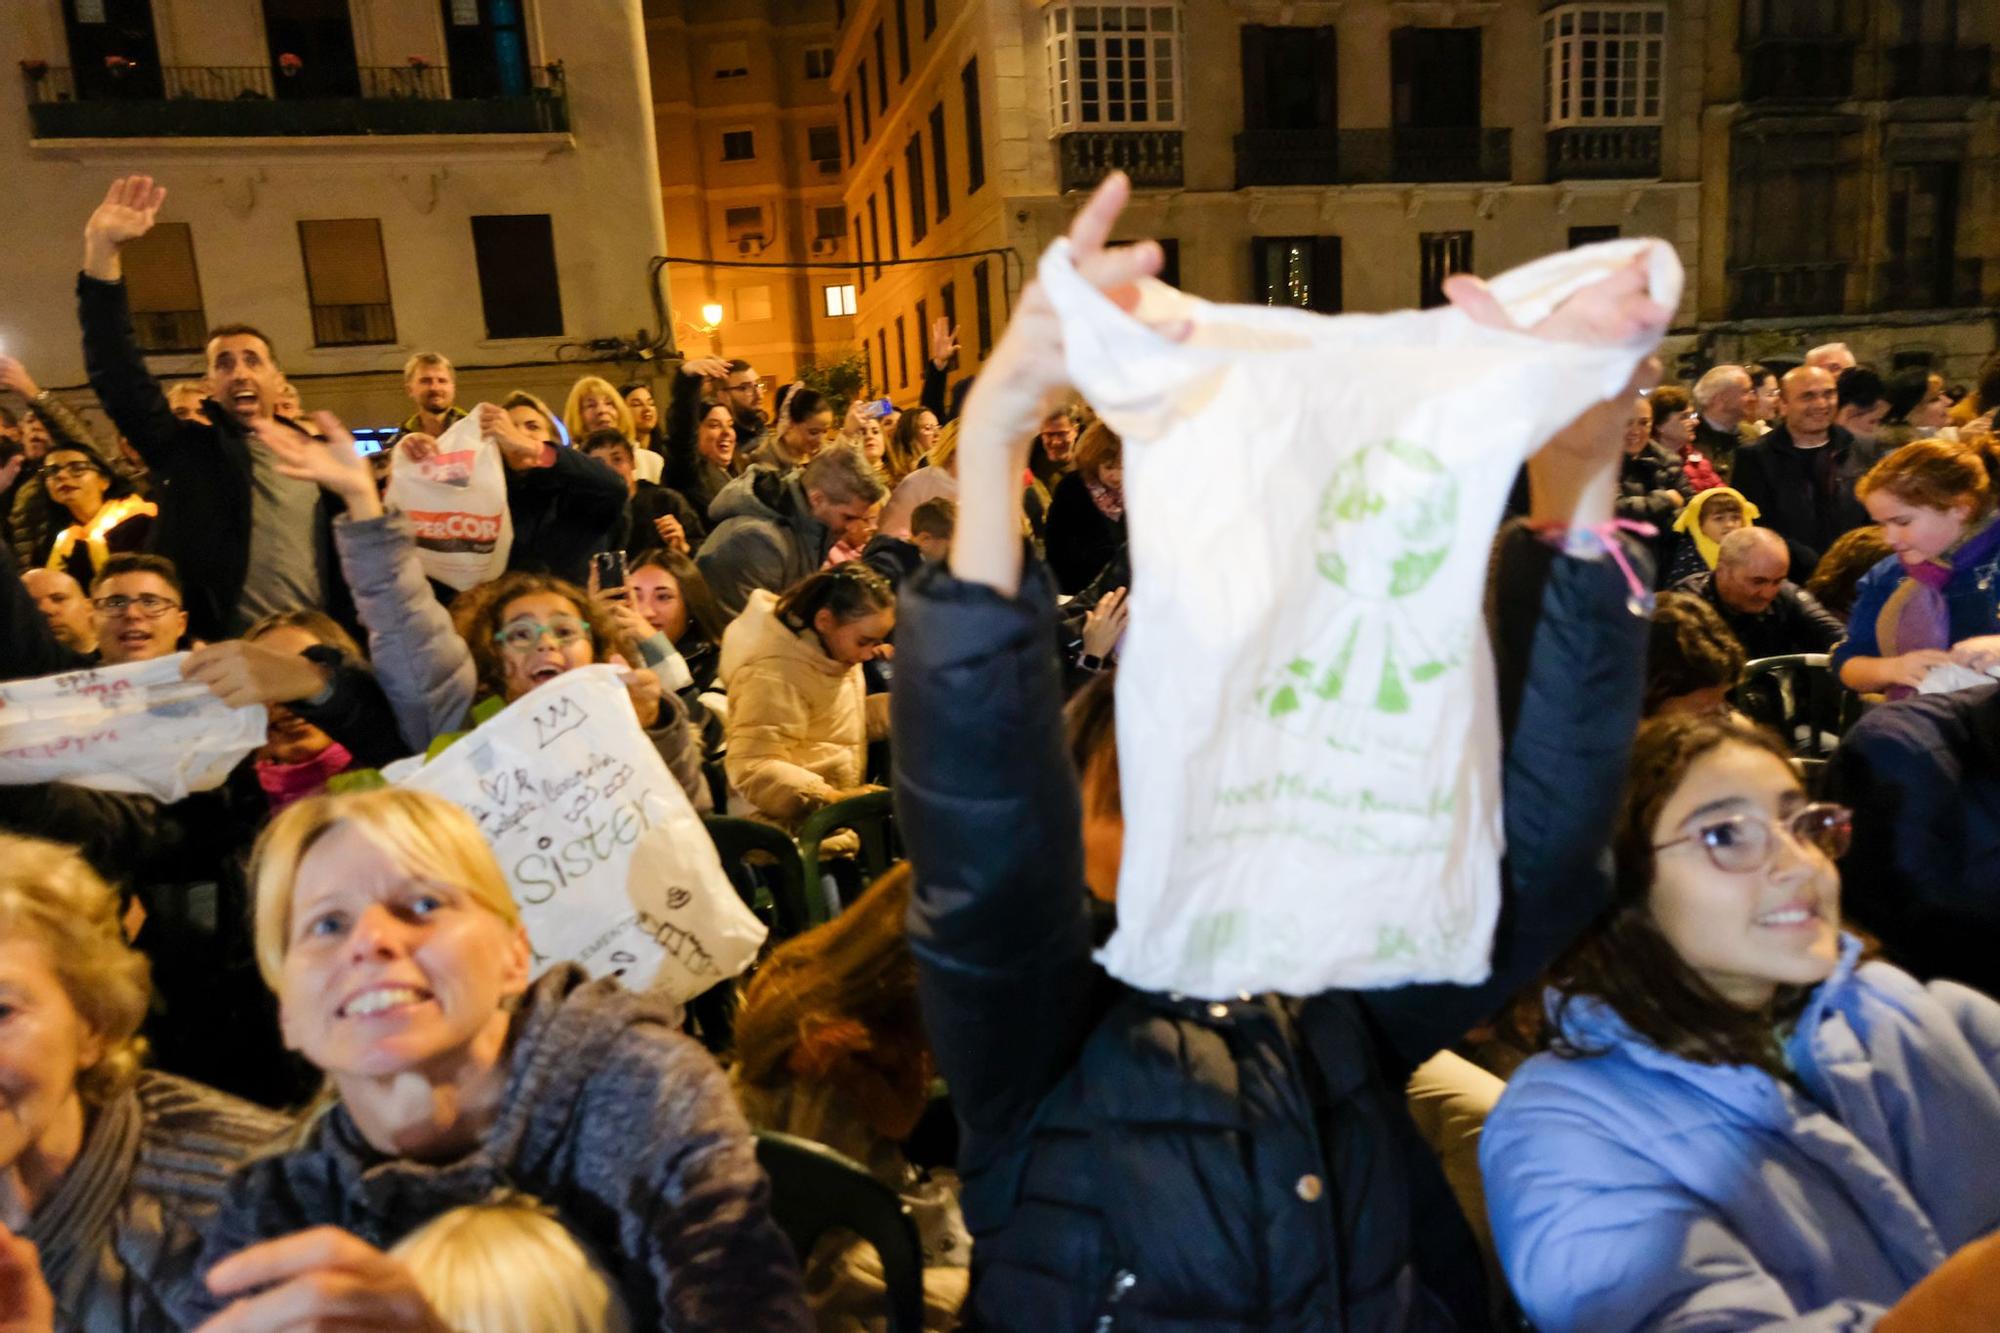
(518, 285)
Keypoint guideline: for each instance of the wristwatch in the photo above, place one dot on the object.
(1090, 662)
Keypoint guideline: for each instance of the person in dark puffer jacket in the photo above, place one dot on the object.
(1153, 1162)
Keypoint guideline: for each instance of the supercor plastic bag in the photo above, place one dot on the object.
(457, 501)
(1308, 725)
(607, 859)
(137, 727)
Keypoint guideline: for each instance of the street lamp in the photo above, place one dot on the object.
(711, 316)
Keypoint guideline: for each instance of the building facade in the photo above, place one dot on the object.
(360, 179)
(750, 176)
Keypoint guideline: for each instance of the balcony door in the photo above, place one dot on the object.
(487, 43)
(319, 35)
(1922, 234)
(1289, 79)
(112, 49)
(1434, 78)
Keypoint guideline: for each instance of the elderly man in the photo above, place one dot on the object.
(1721, 402)
(1802, 474)
(1769, 614)
(1831, 357)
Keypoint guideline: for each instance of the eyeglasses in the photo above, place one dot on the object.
(1740, 844)
(748, 386)
(71, 469)
(148, 606)
(526, 636)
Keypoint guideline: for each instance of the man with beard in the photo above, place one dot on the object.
(433, 387)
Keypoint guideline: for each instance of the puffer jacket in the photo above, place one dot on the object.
(799, 722)
(1632, 1189)
(122, 1227)
(1136, 1161)
(764, 536)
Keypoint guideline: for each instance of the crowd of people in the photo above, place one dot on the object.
(279, 1054)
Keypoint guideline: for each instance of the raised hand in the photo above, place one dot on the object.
(1617, 308)
(417, 446)
(944, 342)
(1105, 624)
(672, 533)
(322, 1278)
(241, 673)
(331, 463)
(708, 367)
(644, 688)
(130, 208)
(14, 375)
(517, 451)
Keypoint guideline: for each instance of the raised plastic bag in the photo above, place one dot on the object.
(1307, 721)
(137, 727)
(607, 859)
(457, 501)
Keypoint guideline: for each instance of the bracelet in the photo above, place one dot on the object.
(1090, 662)
(1589, 540)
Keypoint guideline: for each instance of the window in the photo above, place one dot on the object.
(729, 60)
(1112, 64)
(1434, 78)
(829, 223)
(881, 73)
(739, 145)
(1301, 271)
(938, 161)
(861, 82)
(839, 299)
(518, 283)
(868, 359)
(823, 147)
(882, 350)
(975, 145)
(913, 167)
(1603, 64)
(982, 309)
(902, 356)
(1581, 236)
(347, 282)
(902, 41)
(860, 268)
(875, 233)
(930, 17)
(1923, 237)
(889, 207)
(753, 304)
(1439, 255)
(948, 298)
(744, 225)
(1796, 204)
(164, 290)
(819, 62)
(923, 333)
(1289, 78)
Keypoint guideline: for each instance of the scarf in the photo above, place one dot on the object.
(1689, 520)
(1917, 614)
(1110, 500)
(286, 783)
(95, 534)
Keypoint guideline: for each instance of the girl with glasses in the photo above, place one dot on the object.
(1738, 1122)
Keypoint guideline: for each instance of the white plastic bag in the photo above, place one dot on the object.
(132, 728)
(608, 860)
(1307, 717)
(457, 500)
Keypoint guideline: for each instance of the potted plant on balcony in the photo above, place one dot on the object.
(119, 66)
(34, 71)
(289, 64)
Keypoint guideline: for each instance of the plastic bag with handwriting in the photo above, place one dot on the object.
(457, 500)
(608, 860)
(135, 728)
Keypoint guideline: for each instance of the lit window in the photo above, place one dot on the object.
(839, 300)
(1603, 64)
(1113, 65)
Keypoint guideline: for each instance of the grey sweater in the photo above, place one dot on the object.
(622, 1125)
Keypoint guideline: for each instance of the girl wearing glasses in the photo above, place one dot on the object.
(1738, 1122)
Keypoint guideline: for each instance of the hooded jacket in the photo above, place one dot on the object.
(764, 536)
(1696, 550)
(799, 722)
(611, 1117)
(1634, 1189)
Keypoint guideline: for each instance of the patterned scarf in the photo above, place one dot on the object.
(1917, 614)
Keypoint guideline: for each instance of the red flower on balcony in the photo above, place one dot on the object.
(120, 66)
(35, 70)
(289, 64)
(419, 62)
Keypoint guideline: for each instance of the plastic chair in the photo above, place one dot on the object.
(871, 815)
(1799, 697)
(764, 866)
(815, 1190)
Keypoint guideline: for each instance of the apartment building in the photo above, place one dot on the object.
(359, 178)
(750, 179)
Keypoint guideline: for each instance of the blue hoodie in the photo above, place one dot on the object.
(1638, 1190)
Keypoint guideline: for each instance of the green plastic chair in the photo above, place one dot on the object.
(764, 866)
(815, 1190)
(871, 815)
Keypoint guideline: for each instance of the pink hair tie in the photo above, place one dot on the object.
(1587, 541)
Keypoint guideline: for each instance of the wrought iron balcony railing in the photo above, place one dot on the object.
(1354, 157)
(1766, 291)
(1152, 158)
(1604, 152)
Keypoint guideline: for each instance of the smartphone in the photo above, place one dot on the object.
(610, 567)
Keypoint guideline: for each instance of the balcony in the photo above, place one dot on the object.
(259, 101)
(353, 325)
(1152, 158)
(1935, 69)
(1604, 152)
(1768, 291)
(1798, 69)
(1358, 157)
(1951, 284)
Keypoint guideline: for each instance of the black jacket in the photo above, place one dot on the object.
(200, 471)
(1079, 539)
(1795, 622)
(635, 533)
(1142, 1161)
(1923, 778)
(687, 470)
(1719, 445)
(1806, 495)
(563, 514)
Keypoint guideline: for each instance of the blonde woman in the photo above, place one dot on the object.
(508, 1266)
(107, 1167)
(403, 973)
(595, 404)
